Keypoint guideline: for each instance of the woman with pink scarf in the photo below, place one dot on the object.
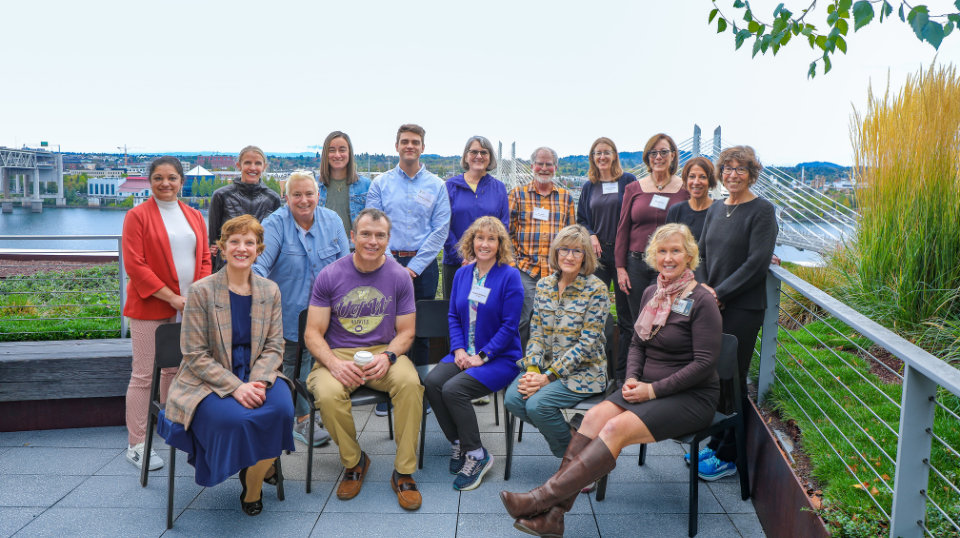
(671, 388)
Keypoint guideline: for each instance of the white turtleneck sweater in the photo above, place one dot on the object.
(183, 242)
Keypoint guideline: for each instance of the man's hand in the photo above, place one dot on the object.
(712, 292)
(347, 373)
(530, 383)
(412, 274)
(378, 367)
(251, 395)
(214, 249)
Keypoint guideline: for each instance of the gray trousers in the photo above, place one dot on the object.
(289, 362)
(529, 292)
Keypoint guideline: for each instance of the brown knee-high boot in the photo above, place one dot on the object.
(593, 461)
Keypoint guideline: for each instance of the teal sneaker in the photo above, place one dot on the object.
(457, 459)
(704, 454)
(473, 471)
(712, 469)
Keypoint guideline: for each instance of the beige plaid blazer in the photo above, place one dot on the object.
(206, 341)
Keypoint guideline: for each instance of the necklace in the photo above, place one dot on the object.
(734, 210)
(659, 186)
(237, 291)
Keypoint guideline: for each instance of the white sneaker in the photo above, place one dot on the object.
(135, 456)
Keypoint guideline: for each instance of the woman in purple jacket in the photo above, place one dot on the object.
(485, 304)
(473, 194)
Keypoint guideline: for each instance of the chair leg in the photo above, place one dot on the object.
(694, 486)
(390, 419)
(520, 433)
(280, 495)
(147, 447)
(742, 461)
(423, 433)
(602, 488)
(310, 452)
(173, 473)
(508, 424)
(496, 410)
(643, 455)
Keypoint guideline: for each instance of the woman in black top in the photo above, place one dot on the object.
(599, 212)
(247, 195)
(737, 243)
(698, 179)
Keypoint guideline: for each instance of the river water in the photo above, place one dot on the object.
(83, 221)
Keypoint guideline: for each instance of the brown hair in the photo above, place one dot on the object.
(578, 235)
(593, 174)
(746, 156)
(412, 128)
(674, 164)
(490, 225)
(352, 176)
(241, 225)
(258, 151)
(666, 232)
(375, 215)
(707, 166)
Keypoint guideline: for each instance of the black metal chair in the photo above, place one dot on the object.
(168, 355)
(584, 405)
(727, 370)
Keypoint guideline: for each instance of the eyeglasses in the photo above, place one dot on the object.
(365, 236)
(740, 170)
(662, 153)
(564, 252)
(480, 152)
(606, 153)
(544, 165)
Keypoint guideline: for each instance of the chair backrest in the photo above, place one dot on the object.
(432, 319)
(727, 367)
(611, 357)
(301, 343)
(168, 354)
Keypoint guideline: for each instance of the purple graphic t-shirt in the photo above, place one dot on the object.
(363, 306)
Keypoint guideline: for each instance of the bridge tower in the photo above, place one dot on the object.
(17, 165)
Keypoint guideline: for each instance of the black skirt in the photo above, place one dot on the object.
(678, 414)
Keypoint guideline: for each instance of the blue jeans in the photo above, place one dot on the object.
(543, 411)
(424, 289)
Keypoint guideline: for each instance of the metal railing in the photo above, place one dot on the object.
(40, 280)
(833, 368)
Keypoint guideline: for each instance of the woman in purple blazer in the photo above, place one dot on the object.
(485, 304)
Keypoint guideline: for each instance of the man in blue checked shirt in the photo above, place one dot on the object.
(301, 238)
(417, 203)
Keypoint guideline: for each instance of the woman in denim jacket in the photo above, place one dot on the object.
(341, 189)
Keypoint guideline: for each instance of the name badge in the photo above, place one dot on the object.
(541, 213)
(682, 307)
(611, 188)
(479, 294)
(425, 199)
(659, 202)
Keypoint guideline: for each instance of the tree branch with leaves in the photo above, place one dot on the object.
(785, 26)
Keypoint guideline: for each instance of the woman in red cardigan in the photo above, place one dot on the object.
(165, 250)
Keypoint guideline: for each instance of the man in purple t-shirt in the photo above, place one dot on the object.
(365, 302)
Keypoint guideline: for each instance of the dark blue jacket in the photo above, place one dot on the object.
(585, 216)
(467, 206)
(498, 320)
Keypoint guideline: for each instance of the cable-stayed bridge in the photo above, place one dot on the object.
(808, 219)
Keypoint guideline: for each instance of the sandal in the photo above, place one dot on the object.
(252, 508)
(273, 479)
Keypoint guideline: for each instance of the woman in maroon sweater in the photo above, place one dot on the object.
(671, 389)
(645, 204)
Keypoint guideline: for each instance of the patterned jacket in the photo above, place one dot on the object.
(566, 333)
(206, 339)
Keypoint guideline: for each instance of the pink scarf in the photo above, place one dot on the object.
(656, 311)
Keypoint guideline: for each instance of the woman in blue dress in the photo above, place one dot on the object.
(225, 408)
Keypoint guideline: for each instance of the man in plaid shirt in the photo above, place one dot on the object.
(538, 211)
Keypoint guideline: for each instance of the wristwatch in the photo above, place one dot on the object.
(483, 355)
(391, 356)
(551, 377)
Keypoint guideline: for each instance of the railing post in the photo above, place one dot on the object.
(123, 288)
(768, 340)
(913, 454)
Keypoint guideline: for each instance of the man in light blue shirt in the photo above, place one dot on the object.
(417, 203)
(301, 238)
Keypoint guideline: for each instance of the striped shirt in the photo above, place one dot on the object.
(532, 236)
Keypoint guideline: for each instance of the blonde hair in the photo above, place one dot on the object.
(578, 235)
(299, 175)
(489, 225)
(616, 170)
(256, 150)
(666, 232)
(241, 225)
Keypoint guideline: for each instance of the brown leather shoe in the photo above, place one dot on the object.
(549, 524)
(406, 490)
(353, 478)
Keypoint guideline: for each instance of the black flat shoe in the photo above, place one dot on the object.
(252, 508)
(272, 479)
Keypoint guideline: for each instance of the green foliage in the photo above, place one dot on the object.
(777, 34)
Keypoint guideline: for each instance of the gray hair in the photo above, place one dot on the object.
(375, 215)
(299, 175)
(556, 159)
(485, 144)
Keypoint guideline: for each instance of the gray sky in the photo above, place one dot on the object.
(216, 76)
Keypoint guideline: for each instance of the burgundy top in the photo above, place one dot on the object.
(685, 351)
(638, 219)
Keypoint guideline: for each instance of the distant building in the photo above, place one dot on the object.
(138, 187)
(105, 172)
(216, 161)
(198, 173)
(104, 186)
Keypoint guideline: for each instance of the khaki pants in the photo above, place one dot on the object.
(333, 400)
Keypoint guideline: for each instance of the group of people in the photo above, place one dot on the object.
(528, 278)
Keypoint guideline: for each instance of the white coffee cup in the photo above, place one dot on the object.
(362, 358)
